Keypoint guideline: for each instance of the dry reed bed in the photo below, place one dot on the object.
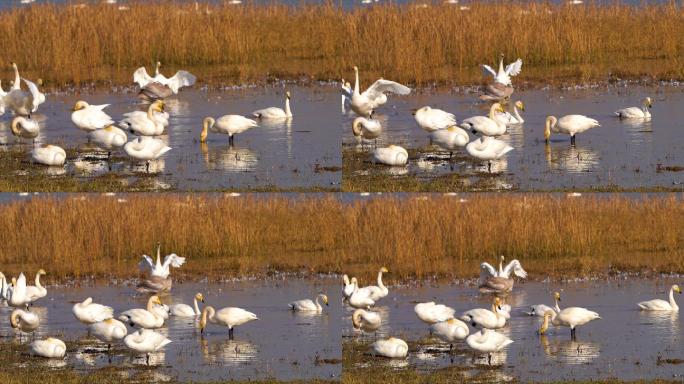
(223, 43)
(415, 238)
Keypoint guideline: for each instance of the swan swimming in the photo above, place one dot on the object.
(89, 118)
(636, 112)
(485, 318)
(144, 318)
(159, 86)
(184, 310)
(492, 280)
(569, 125)
(366, 321)
(432, 119)
(391, 347)
(662, 305)
(37, 291)
(363, 104)
(308, 305)
(376, 292)
(488, 148)
(273, 113)
(360, 299)
(229, 317)
(50, 348)
(432, 313)
(348, 286)
(392, 155)
(508, 118)
(486, 125)
(230, 125)
(17, 296)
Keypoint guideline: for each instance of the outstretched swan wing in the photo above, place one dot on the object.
(515, 267)
(488, 71)
(145, 263)
(381, 86)
(141, 77)
(173, 260)
(181, 79)
(487, 271)
(514, 68)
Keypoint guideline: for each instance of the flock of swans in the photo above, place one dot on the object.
(142, 338)
(446, 325)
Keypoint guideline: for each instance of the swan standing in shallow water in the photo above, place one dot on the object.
(432, 119)
(88, 312)
(450, 139)
(508, 118)
(488, 341)
(368, 129)
(230, 125)
(488, 148)
(484, 318)
(571, 317)
(48, 154)
(662, 305)
(568, 125)
(391, 347)
(144, 318)
(24, 103)
(17, 294)
(541, 309)
(363, 104)
(159, 86)
(24, 321)
(432, 313)
(392, 155)
(229, 317)
(492, 281)
(50, 348)
(366, 321)
(636, 112)
(308, 305)
(486, 125)
(25, 128)
(503, 75)
(89, 118)
(450, 331)
(108, 138)
(146, 149)
(146, 341)
(184, 310)
(273, 113)
(108, 331)
(37, 291)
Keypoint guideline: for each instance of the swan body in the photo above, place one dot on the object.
(25, 321)
(450, 138)
(360, 299)
(366, 321)
(146, 341)
(24, 103)
(500, 281)
(488, 341)
(364, 103)
(392, 155)
(484, 318)
(108, 138)
(309, 305)
(568, 125)
(662, 305)
(144, 318)
(273, 113)
(25, 128)
(230, 125)
(88, 312)
(146, 148)
(432, 313)
(486, 125)
(497, 92)
(150, 123)
(488, 149)
(89, 118)
(50, 348)
(48, 154)
(17, 296)
(37, 291)
(184, 310)
(432, 119)
(364, 128)
(503, 75)
(571, 317)
(159, 86)
(4, 288)
(540, 310)
(391, 347)
(108, 330)
(450, 330)
(229, 317)
(346, 91)
(160, 269)
(508, 118)
(376, 292)
(636, 112)
(348, 286)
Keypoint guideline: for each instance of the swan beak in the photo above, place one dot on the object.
(413, 111)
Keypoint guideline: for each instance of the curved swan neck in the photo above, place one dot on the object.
(356, 81)
(197, 310)
(150, 304)
(545, 325)
(492, 111)
(380, 284)
(356, 318)
(17, 78)
(673, 304)
(288, 112)
(516, 113)
(38, 281)
(318, 305)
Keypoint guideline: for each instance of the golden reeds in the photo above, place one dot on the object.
(408, 43)
(413, 237)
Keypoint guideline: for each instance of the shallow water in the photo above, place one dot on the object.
(280, 344)
(619, 154)
(624, 344)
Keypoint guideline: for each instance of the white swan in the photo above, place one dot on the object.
(568, 125)
(184, 310)
(108, 138)
(450, 330)
(3, 93)
(17, 78)
(108, 331)
(368, 129)
(229, 317)
(25, 128)
(636, 112)
(37, 291)
(17, 294)
(230, 125)
(24, 103)
(376, 292)
(393, 155)
(24, 321)
(88, 312)
(150, 123)
(146, 148)
(146, 341)
(541, 309)
(364, 103)
(391, 347)
(348, 286)
(50, 348)
(508, 118)
(308, 305)
(503, 75)
(484, 318)
(488, 341)
(486, 125)
(571, 317)
(159, 86)
(272, 113)
(501, 281)
(144, 318)
(4, 288)
(450, 139)
(662, 305)
(432, 313)
(488, 148)
(159, 269)
(360, 299)
(366, 321)
(89, 118)
(432, 119)
(48, 154)
(346, 94)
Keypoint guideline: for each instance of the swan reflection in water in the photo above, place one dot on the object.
(224, 351)
(568, 158)
(570, 351)
(230, 158)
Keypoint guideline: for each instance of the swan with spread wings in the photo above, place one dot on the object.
(364, 103)
(159, 86)
(493, 281)
(158, 279)
(503, 75)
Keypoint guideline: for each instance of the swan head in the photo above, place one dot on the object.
(550, 123)
(206, 125)
(677, 289)
(41, 272)
(384, 270)
(199, 297)
(287, 95)
(14, 318)
(14, 65)
(356, 318)
(352, 281)
(520, 105)
(157, 106)
(356, 126)
(347, 84)
(39, 82)
(80, 105)
(556, 296)
(420, 110)
(345, 279)
(356, 69)
(647, 102)
(155, 300)
(16, 124)
(545, 324)
(324, 298)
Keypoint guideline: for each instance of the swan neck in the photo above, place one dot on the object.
(517, 114)
(197, 311)
(492, 112)
(205, 131)
(380, 284)
(501, 66)
(356, 319)
(150, 112)
(288, 112)
(318, 305)
(38, 281)
(673, 304)
(17, 78)
(15, 127)
(356, 81)
(150, 305)
(544, 326)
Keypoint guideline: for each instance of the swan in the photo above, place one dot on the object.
(159, 86)
(486, 125)
(346, 94)
(51, 348)
(24, 103)
(184, 310)
(108, 331)
(364, 103)
(4, 288)
(450, 330)
(508, 118)
(484, 318)
(348, 286)
(366, 321)
(25, 128)
(108, 138)
(360, 299)
(24, 321)
(432, 119)
(503, 76)
(88, 312)
(3, 93)
(144, 318)
(36, 292)
(150, 123)
(541, 309)
(48, 154)
(89, 118)
(488, 341)
(497, 92)
(391, 347)
(393, 155)
(488, 148)
(17, 295)
(569, 125)
(309, 305)
(230, 125)
(368, 129)
(376, 292)
(229, 317)
(159, 269)
(146, 341)
(662, 305)
(146, 149)
(501, 281)
(17, 78)
(569, 317)
(274, 112)
(636, 112)
(451, 138)
(432, 313)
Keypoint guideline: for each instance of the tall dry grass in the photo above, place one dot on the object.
(223, 43)
(413, 237)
